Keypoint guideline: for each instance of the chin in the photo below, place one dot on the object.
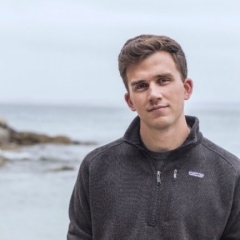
(161, 126)
(160, 123)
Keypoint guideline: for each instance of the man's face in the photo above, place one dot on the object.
(157, 92)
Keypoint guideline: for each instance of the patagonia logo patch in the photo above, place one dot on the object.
(196, 174)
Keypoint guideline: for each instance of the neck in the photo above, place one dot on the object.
(163, 140)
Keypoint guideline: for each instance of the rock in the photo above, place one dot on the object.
(5, 132)
(9, 147)
(4, 135)
(9, 136)
(62, 168)
(86, 143)
(30, 138)
(3, 122)
(61, 139)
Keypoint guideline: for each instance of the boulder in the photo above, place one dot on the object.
(4, 135)
(30, 138)
(61, 168)
(3, 122)
(13, 138)
(5, 132)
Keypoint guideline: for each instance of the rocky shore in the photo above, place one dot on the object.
(13, 140)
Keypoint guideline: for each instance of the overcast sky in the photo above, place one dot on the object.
(65, 51)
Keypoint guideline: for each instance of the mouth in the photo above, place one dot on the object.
(156, 108)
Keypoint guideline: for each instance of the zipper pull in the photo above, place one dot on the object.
(175, 174)
(158, 177)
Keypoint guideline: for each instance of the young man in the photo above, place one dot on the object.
(162, 179)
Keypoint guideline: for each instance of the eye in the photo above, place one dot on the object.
(163, 81)
(141, 85)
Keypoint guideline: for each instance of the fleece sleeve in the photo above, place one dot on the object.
(79, 209)
(232, 230)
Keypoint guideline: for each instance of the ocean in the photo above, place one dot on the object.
(35, 191)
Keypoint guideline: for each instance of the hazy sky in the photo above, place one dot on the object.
(66, 51)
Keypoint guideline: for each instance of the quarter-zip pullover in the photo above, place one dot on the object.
(123, 193)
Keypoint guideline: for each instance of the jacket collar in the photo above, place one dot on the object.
(132, 135)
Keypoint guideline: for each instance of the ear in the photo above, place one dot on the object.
(188, 88)
(129, 101)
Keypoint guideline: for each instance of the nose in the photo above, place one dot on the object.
(154, 94)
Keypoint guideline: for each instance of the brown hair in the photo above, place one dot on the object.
(138, 48)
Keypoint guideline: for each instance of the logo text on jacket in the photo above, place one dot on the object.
(196, 174)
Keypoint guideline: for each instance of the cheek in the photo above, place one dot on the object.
(181, 92)
(138, 103)
(176, 93)
(176, 97)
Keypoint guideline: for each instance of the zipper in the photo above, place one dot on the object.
(175, 174)
(169, 203)
(158, 177)
(154, 212)
(155, 203)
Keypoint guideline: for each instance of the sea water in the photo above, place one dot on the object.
(34, 193)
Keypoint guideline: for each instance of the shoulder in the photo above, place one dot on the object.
(222, 156)
(110, 150)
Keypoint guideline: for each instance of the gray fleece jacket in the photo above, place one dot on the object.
(123, 193)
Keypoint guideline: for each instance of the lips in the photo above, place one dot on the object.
(156, 108)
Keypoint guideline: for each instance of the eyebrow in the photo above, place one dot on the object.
(134, 83)
(163, 75)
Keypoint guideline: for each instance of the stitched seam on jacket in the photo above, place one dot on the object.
(103, 151)
(220, 156)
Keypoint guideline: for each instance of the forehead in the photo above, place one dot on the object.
(156, 64)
